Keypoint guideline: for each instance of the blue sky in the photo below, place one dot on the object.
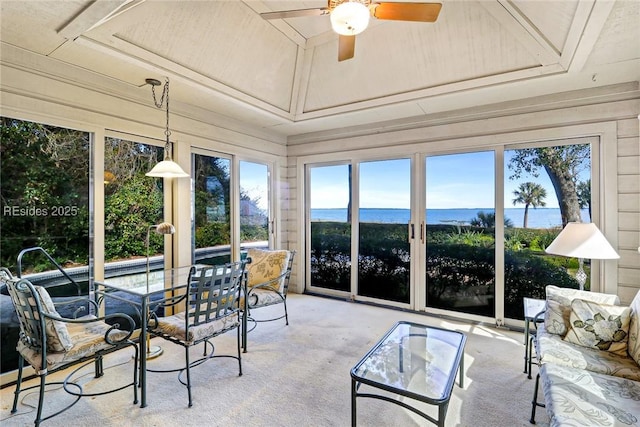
(254, 180)
(453, 181)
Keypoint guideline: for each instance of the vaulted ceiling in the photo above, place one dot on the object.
(283, 76)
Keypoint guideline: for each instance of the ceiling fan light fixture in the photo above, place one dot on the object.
(350, 18)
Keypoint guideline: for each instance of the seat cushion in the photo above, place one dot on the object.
(575, 397)
(263, 297)
(86, 338)
(58, 337)
(552, 349)
(266, 266)
(175, 326)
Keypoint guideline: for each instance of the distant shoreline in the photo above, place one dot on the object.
(538, 218)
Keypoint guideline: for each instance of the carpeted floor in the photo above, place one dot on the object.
(298, 375)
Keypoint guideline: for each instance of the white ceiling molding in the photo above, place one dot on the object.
(590, 33)
(136, 55)
(95, 14)
(523, 30)
(282, 25)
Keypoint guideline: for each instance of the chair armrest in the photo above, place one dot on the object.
(538, 318)
(80, 303)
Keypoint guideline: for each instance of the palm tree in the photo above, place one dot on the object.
(488, 220)
(530, 194)
(584, 195)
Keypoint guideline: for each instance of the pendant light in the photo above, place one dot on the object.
(166, 168)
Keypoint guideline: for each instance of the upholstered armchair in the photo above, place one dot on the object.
(49, 342)
(207, 307)
(268, 277)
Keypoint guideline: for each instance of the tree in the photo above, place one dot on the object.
(584, 195)
(529, 194)
(488, 220)
(563, 165)
(44, 190)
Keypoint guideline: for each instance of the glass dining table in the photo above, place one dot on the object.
(140, 290)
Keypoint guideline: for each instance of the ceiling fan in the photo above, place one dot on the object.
(351, 17)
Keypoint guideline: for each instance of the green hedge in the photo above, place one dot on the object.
(460, 265)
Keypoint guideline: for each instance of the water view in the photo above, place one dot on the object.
(538, 218)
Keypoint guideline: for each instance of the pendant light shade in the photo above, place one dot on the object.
(166, 168)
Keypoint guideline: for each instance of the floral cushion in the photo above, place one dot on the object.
(86, 338)
(633, 347)
(263, 297)
(58, 337)
(175, 326)
(599, 326)
(556, 316)
(551, 348)
(575, 397)
(265, 266)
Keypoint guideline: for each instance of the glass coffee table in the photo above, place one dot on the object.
(414, 362)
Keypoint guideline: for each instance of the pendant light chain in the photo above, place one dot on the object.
(166, 168)
(165, 95)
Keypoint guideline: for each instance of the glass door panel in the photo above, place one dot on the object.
(460, 232)
(254, 205)
(45, 196)
(132, 203)
(384, 256)
(212, 208)
(544, 188)
(329, 201)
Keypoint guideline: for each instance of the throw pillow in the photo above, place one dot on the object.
(265, 266)
(556, 318)
(559, 310)
(634, 329)
(599, 326)
(58, 337)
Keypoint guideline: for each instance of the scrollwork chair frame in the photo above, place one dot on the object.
(51, 343)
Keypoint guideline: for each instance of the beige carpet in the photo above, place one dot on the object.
(299, 376)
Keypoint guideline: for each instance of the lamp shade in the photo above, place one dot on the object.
(167, 169)
(350, 18)
(582, 240)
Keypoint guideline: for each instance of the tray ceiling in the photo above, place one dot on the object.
(283, 75)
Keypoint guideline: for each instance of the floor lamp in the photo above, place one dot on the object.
(582, 240)
(163, 228)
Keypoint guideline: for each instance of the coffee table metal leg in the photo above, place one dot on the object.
(462, 371)
(442, 413)
(353, 402)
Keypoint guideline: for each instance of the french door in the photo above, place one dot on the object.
(360, 229)
(460, 232)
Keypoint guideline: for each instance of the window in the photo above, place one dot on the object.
(45, 202)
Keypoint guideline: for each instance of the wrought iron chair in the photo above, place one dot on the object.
(211, 299)
(50, 342)
(268, 277)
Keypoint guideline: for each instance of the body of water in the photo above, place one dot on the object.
(538, 218)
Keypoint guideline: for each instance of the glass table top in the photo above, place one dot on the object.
(414, 360)
(157, 281)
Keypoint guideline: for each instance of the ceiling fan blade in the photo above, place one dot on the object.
(284, 14)
(346, 47)
(421, 12)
